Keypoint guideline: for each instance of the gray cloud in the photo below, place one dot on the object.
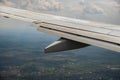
(92, 8)
(118, 1)
(47, 5)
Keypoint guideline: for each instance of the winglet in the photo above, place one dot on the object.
(64, 44)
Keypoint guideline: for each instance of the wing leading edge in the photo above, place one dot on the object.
(72, 31)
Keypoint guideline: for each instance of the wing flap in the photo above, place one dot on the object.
(78, 26)
(91, 34)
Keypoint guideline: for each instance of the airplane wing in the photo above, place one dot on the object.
(74, 33)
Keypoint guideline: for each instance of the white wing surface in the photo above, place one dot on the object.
(74, 32)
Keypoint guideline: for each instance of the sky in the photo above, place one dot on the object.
(97, 10)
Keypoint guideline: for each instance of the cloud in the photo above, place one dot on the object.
(118, 1)
(79, 6)
(100, 10)
(46, 5)
(93, 10)
(6, 3)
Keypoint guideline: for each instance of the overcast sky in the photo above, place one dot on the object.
(97, 10)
